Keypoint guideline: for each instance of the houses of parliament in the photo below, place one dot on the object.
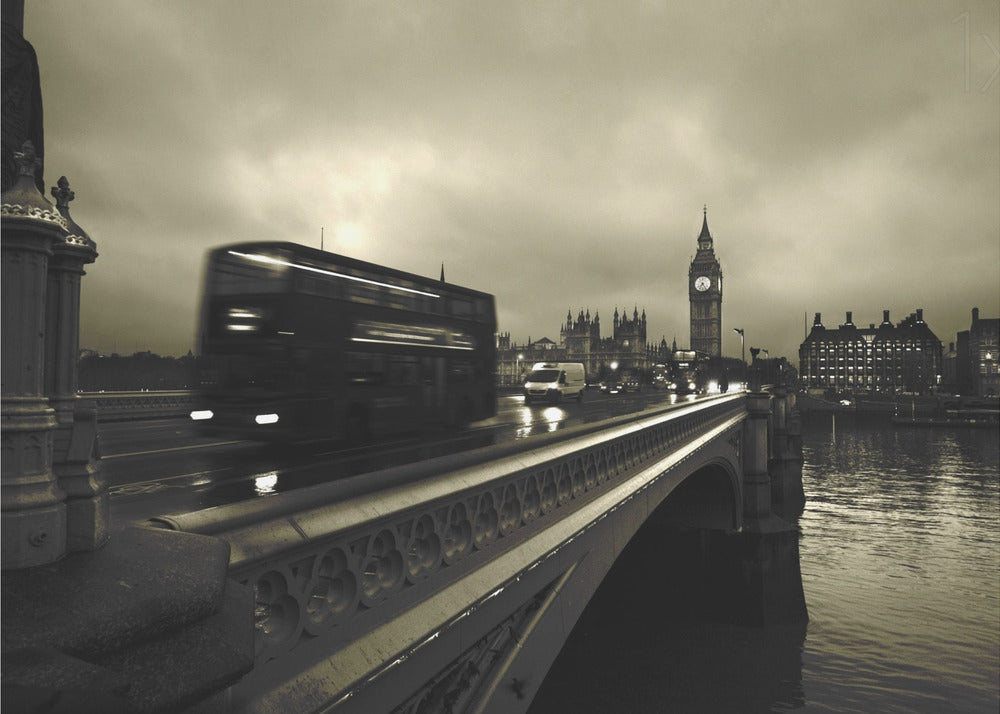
(628, 347)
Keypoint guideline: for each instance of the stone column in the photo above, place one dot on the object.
(756, 480)
(779, 422)
(34, 513)
(75, 441)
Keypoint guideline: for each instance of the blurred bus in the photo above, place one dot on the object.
(661, 376)
(300, 343)
(688, 377)
(696, 372)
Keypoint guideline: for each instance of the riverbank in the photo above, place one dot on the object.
(916, 410)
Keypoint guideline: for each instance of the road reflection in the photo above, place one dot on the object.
(266, 484)
(206, 475)
(531, 421)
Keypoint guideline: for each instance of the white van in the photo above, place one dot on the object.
(553, 380)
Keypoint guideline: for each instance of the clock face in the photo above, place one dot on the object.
(702, 284)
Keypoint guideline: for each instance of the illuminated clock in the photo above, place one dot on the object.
(702, 284)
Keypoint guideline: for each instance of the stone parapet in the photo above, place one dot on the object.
(149, 623)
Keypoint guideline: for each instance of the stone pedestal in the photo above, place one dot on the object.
(34, 513)
(75, 461)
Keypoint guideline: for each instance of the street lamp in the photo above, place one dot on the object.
(743, 354)
(519, 358)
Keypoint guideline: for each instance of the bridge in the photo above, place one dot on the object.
(447, 585)
(451, 584)
(444, 585)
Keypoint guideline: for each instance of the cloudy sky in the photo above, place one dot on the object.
(555, 154)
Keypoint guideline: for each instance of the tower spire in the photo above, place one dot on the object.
(705, 235)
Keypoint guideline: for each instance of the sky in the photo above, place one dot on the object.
(555, 154)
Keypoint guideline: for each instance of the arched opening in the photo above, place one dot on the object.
(659, 632)
(705, 499)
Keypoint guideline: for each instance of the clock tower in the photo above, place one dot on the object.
(705, 294)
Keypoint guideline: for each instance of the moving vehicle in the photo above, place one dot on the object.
(696, 373)
(300, 343)
(661, 376)
(551, 381)
(688, 372)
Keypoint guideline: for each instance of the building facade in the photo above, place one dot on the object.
(580, 340)
(978, 356)
(705, 295)
(886, 358)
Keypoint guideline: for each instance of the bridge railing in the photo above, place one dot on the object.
(118, 406)
(337, 559)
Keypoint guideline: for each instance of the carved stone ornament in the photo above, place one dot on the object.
(76, 236)
(23, 203)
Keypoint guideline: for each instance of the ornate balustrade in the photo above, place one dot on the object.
(339, 567)
(114, 406)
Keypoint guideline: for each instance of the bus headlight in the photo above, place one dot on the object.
(202, 414)
(266, 418)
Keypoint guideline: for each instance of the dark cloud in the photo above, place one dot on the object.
(556, 154)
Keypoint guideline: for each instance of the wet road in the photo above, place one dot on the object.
(162, 467)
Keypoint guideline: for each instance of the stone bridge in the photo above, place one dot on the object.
(451, 585)
(444, 586)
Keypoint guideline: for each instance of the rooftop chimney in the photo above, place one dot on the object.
(816, 321)
(920, 314)
(849, 318)
(885, 318)
(975, 315)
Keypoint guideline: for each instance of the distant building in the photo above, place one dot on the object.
(949, 369)
(977, 357)
(705, 295)
(887, 358)
(580, 341)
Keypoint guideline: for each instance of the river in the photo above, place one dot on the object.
(900, 562)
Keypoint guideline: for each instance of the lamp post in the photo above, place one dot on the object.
(517, 377)
(743, 354)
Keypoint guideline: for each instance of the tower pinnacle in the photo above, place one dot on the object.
(704, 236)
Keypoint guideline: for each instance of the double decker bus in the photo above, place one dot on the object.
(688, 372)
(695, 372)
(299, 343)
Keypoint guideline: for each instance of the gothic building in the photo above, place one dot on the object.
(705, 294)
(580, 341)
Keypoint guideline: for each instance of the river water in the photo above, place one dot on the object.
(900, 562)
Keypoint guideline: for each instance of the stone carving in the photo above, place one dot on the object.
(75, 235)
(325, 586)
(21, 201)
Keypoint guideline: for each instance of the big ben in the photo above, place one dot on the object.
(705, 293)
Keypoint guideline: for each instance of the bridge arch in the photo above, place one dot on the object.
(710, 498)
(701, 495)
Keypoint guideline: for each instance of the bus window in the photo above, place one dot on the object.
(460, 306)
(364, 368)
(401, 371)
(460, 373)
(234, 275)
